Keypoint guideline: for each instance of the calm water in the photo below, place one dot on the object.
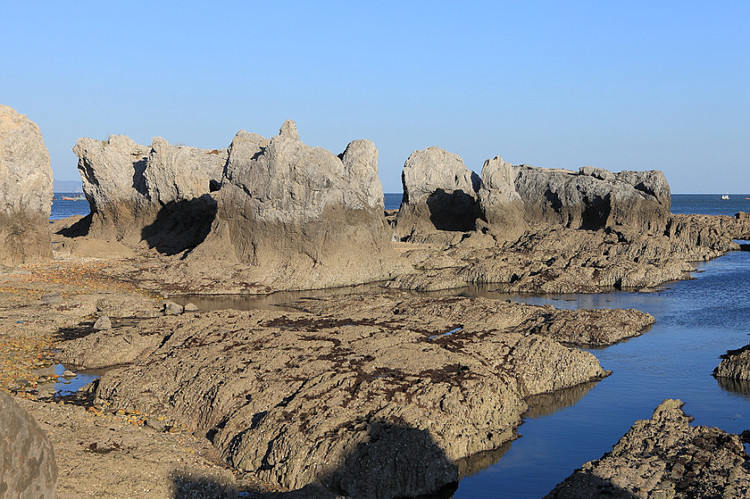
(697, 321)
(63, 209)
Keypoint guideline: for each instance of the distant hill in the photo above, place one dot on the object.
(66, 186)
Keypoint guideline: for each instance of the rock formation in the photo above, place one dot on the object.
(27, 460)
(293, 216)
(158, 193)
(735, 364)
(439, 194)
(592, 198)
(320, 394)
(25, 190)
(664, 457)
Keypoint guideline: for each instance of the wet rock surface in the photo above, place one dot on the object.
(27, 467)
(25, 190)
(665, 457)
(316, 395)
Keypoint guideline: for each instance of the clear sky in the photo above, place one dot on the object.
(560, 84)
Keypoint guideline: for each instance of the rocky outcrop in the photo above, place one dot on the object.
(735, 364)
(592, 198)
(664, 457)
(293, 216)
(27, 466)
(439, 195)
(320, 395)
(25, 190)
(158, 194)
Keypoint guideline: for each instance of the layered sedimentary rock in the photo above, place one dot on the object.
(665, 457)
(25, 190)
(321, 395)
(158, 193)
(290, 215)
(27, 460)
(439, 194)
(735, 364)
(592, 198)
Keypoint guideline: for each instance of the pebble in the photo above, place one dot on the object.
(191, 307)
(68, 374)
(172, 308)
(52, 298)
(103, 323)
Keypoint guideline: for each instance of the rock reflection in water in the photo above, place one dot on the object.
(476, 463)
(545, 404)
(740, 387)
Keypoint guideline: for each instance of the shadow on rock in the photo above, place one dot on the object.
(454, 211)
(181, 225)
(78, 229)
(185, 486)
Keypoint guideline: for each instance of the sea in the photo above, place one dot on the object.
(696, 322)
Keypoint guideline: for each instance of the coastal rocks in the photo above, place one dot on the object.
(27, 467)
(592, 198)
(25, 191)
(439, 194)
(293, 216)
(664, 457)
(300, 397)
(735, 364)
(158, 193)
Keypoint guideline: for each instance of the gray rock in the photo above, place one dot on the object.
(157, 193)
(172, 308)
(190, 307)
(27, 468)
(592, 198)
(439, 194)
(735, 364)
(291, 213)
(103, 323)
(664, 457)
(25, 191)
(52, 298)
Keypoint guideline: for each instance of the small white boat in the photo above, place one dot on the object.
(725, 196)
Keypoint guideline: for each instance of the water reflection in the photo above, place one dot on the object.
(739, 387)
(545, 404)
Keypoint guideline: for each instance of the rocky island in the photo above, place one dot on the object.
(382, 391)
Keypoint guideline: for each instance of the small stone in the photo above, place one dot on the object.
(172, 308)
(156, 425)
(103, 323)
(190, 307)
(68, 374)
(52, 298)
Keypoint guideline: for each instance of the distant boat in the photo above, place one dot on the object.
(79, 197)
(725, 196)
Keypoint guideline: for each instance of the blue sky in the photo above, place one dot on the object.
(619, 85)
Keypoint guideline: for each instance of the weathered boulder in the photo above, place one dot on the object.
(298, 397)
(735, 364)
(291, 215)
(664, 457)
(27, 459)
(25, 190)
(158, 193)
(439, 194)
(592, 198)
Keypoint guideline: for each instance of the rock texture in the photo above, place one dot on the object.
(735, 364)
(664, 457)
(439, 194)
(321, 394)
(27, 460)
(25, 190)
(592, 198)
(158, 193)
(291, 215)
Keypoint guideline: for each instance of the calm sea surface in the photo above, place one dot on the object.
(696, 322)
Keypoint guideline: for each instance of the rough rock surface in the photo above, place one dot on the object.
(665, 457)
(158, 193)
(293, 215)
(25, 190)
(439, 193)
(735, 364)
(27, 460)
(592, 198)
(318, 395)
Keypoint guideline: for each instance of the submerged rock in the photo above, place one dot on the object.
(665, 457)
(27, 467)
(291, 215)
(25, 191)
(439, 195)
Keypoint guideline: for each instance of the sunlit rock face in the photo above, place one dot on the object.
(299, 214)
(25, 190)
